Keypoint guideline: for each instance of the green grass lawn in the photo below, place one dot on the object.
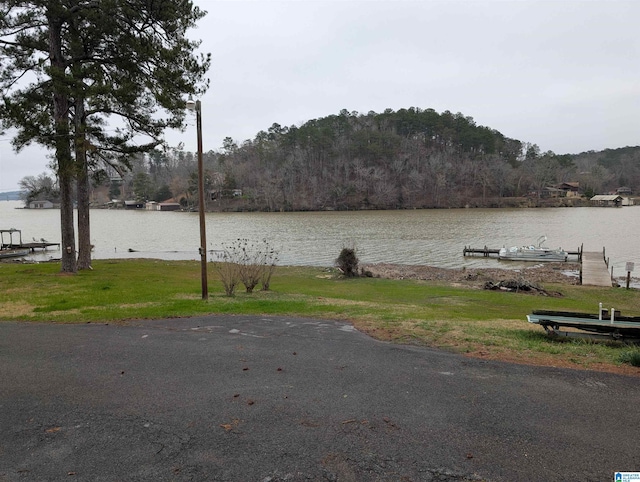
(463, 319)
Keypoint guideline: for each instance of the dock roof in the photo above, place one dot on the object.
(606, 197)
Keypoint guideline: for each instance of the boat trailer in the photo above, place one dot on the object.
(606, 325)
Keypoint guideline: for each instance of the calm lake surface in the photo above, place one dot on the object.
(422, 237)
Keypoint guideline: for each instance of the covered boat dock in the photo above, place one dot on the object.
(12, 239)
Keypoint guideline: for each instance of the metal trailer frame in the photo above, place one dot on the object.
(606, 325)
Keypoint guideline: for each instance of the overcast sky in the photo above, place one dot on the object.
(564, 75)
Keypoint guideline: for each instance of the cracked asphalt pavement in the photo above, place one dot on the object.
(267, 399)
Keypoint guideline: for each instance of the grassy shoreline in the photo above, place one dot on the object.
(462, 319)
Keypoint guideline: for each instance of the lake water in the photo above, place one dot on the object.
(423, 237)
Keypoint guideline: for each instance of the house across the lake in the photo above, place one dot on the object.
(43, 204)
(565, 189)
(571, 189)
(624, 191)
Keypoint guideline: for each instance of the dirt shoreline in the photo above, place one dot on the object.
(560, 273)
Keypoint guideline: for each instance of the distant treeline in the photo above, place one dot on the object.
(10, 196)
(410, 158)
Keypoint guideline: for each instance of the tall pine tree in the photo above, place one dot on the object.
(103, 78)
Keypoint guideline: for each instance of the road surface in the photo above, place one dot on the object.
(272, 399)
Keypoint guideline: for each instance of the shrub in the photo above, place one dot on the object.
(247, 262)
(347, 262)
(269, 266)
(228, 272)
(632, 357)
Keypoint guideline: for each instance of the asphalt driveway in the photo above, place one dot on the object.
(225, 398)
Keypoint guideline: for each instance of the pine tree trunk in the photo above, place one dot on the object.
(63, 147)
(68, 263)
(84, 233)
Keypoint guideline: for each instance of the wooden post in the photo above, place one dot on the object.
(629, 267)
(580, 273)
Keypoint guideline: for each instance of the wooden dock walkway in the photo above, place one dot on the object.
(485, 252)
(594, 270)
(31, 246)
(488, 252)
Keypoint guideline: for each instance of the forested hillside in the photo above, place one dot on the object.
(410, 158)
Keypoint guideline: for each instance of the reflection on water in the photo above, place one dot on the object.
(427, 237)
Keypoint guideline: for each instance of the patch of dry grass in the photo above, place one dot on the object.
(15, 309)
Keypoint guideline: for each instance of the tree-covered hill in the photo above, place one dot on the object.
(410, 158)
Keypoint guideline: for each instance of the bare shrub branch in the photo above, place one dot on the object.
(248, 262)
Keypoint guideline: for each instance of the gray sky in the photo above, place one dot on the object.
(564, 75)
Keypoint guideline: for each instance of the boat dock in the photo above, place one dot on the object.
(488, 252)
(594, 270)
(485, 252)
(594, 265)
(10, 243)
(37, 245)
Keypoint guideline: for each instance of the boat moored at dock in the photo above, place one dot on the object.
(536, 252)
(531, 252)
(14, 252)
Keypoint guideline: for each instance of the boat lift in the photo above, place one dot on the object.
(10, 243)
(607, 324)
